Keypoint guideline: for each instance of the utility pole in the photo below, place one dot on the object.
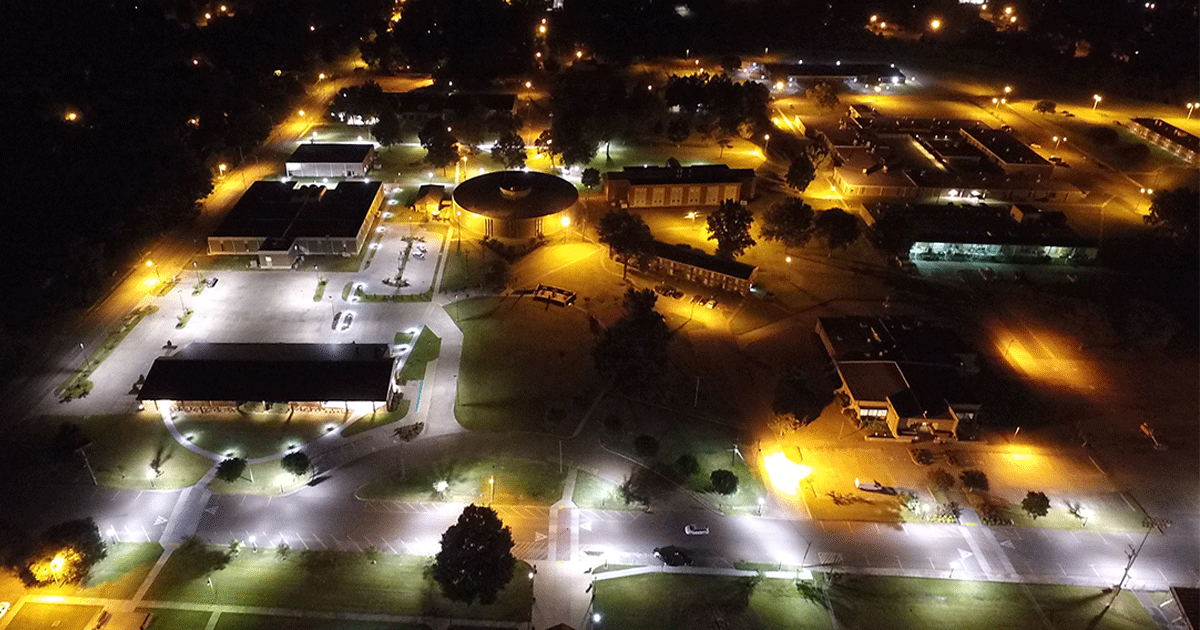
(1132, 554)
(88, 464)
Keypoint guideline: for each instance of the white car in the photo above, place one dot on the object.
(695, 530)
(3, 608)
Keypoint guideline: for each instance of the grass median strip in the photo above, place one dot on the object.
(78, 385)
(322, 580)
(516, 481)
(426, 348)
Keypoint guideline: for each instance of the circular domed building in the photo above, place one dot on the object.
(515, 204)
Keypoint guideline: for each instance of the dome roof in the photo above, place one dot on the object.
(515, 195)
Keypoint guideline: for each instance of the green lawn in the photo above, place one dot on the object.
(167, 619)
(235, 621)
(653, 601)
(377, 419)
(426, 348)
(123, 446)
(882, 603)
(251, 435)
(594, 493)
(56, 616)
(669, 602)
(330, 581)
(525, 366)
(517, 482)
(78, 384)
(467, 265)
(121, 572)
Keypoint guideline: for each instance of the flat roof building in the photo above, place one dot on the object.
(1005, 151)
(1164, 135)
(227, 374)
(701, 185)
(280, 222)
(330, 160)
(514, 204)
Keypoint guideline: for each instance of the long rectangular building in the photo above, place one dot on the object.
(330, 160)
(693, 265)
(1168, 137)
(702, 185)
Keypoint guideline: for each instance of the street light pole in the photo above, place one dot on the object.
(1095, 101)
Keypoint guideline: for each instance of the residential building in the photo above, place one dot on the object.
(692, 265)
(698, 186)
(1168, 137)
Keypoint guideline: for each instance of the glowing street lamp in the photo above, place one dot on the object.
(56, 566)
(566, 221)
(935, 24)
(222, 167)
(1095, 101)
(1190, 107)
(579, 54)
(1008, 89)
(72, 116)
(492, 483)
(874, 19)
(767, 140)
(1058, 140)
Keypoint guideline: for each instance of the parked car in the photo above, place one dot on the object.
(347, 319)
(3, 608)
(711, 303)
(336, 317)
(874, 486)
(673, 556)
(212, 282)
(692, 529)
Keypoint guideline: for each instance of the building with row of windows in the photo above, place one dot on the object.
(702, 185)
(1168, 137)
(692, 265)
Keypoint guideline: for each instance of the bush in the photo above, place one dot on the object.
(230, 470)
(295, 463)
(1035, 504)
(974, 480)
(723, 481)
(941, 479)
(645, 446)
(687, 465)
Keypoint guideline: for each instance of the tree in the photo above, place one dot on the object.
(789, 222)
(544, 144)
(627, 237)
(510, 150)
(295, 463)
(974, 480)
(387, 129)
(941, 479)
(686, 465)
(470, 124)
(1176, 211)
(1035, 504)
(818, 153)
(645, 446)
(634, 351)
(723, 481)
(824, 95)
(69, 439)
(476, 560)
(678, 129)
(1045, 106)
(801, 173)
(231, 469)
(439, 143)
(64, 553)
(838, 227)
(590, 178)
(729, 226)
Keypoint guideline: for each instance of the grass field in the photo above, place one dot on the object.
(517, 481)
(594, 493)
(654, 601)
(122, 448)
(121, 572)
(235, 621)
(525, 366)
(425, 349)
(378, 419)
(265, 479)
(166, 619)
(56, 616)
(669, 602)
(347, 582)
(253, 435)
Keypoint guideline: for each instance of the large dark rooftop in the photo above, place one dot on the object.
(698, 174)
(285, 210)
(516, 194)
(696, 258)
(272, 372)
(330, 153)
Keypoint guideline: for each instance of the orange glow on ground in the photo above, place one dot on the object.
(784, 473)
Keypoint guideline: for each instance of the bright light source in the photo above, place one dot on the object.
(528, 84)
(579, 54)
(874, 18)
(784, 473)
(935, 24)
(72, 116)
(566, 221)
(321, 77)
(1007, 10)
(542, 29)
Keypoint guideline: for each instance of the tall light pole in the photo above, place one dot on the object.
(1095, 101)
(1059, 140)
(767, 147)
(492, 483)
(56, 566)
(1190, 107)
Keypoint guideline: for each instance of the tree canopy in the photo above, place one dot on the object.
(729, 226)
(1036, 504)
(296, 463)
(789, 222)
(626, 235)
(837, 227)
(64, 553)
(723, 481)
(634, 351)
(231, 469)
(441, 147)
(801, 173)
(475, 561)
(509, 150)
(823, 95)
(1176, 210)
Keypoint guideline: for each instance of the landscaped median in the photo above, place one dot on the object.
(664, 601)
(329, 581)
(78, 385)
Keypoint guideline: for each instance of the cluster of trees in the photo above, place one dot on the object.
(120, 127)
(633, 353)
(62, 553)
(794, 223)
(593, 105)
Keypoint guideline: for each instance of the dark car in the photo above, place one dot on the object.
(335, 319)
(673, 556)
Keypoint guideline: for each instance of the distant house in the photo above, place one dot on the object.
(279, 222)
(702, 185)
(430, 199)
(693, 265)
(903, 372)
(330, 160)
